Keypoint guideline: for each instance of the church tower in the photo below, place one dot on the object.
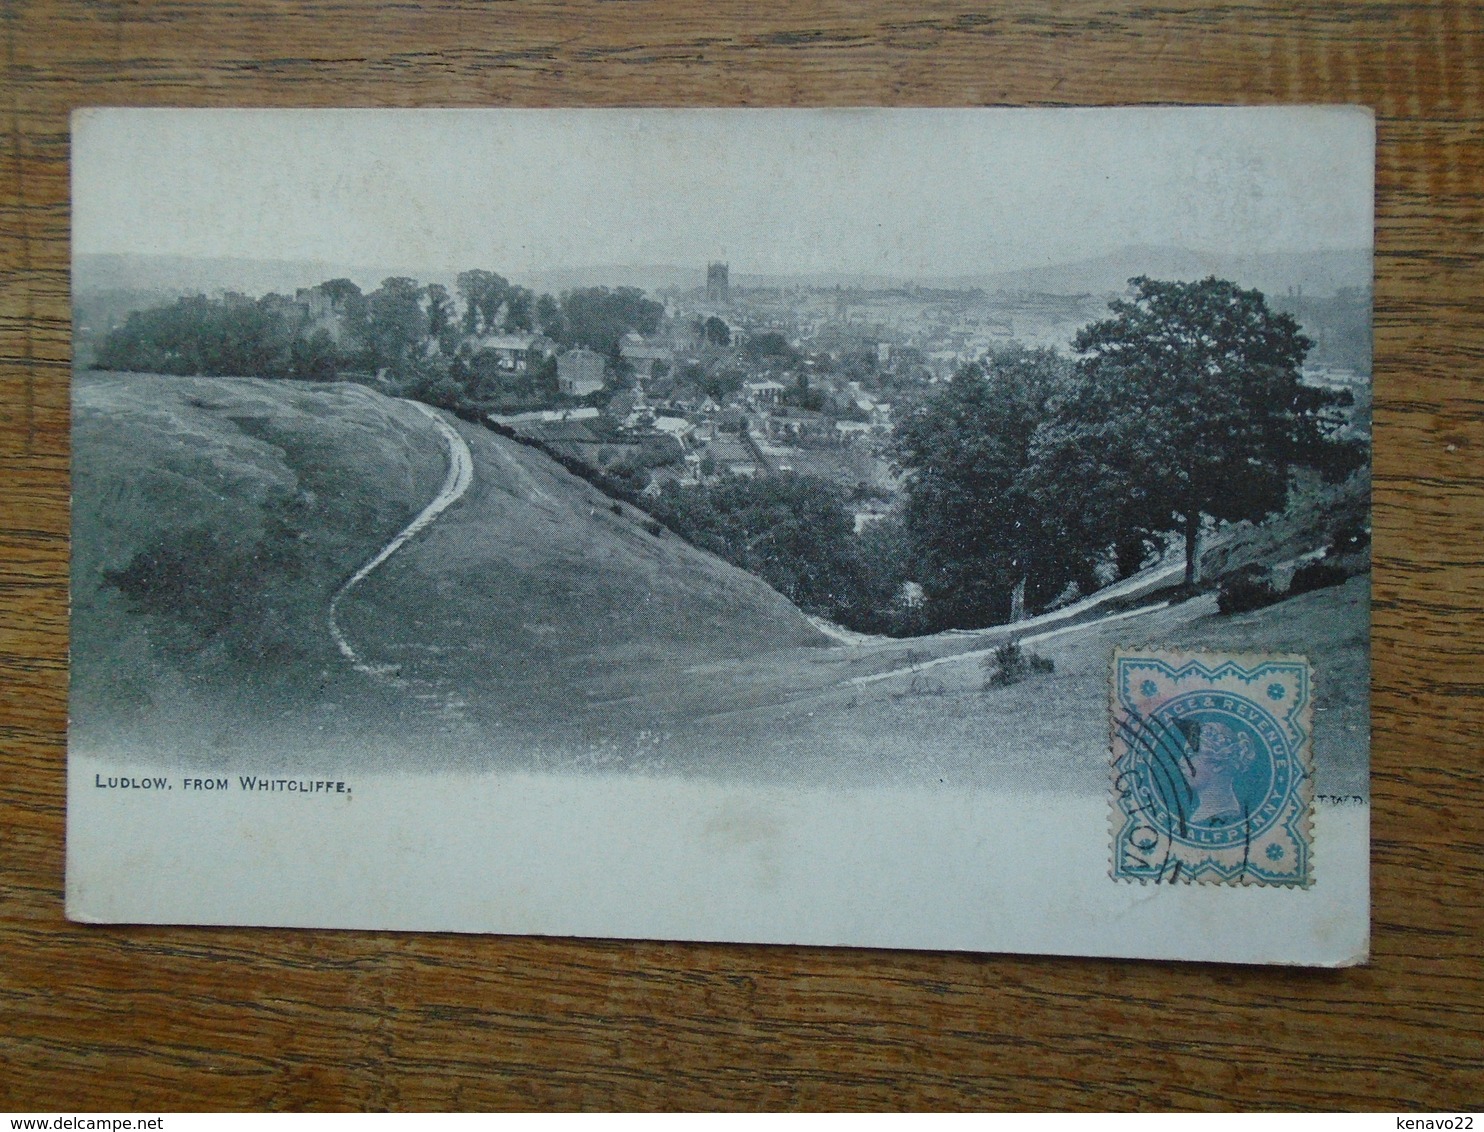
(716, 283)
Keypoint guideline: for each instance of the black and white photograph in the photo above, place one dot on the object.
(720, 524)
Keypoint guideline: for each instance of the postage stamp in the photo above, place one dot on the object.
(1212, 768)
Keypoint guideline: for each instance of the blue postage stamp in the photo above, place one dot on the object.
(1212, 770)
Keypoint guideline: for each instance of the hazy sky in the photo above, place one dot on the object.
(924, 193)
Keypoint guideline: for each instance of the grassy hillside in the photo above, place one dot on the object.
(539, 614)
(214, 519)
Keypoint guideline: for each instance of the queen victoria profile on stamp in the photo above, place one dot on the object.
(1212, 769)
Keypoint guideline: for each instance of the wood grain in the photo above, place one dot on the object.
(151, 1018)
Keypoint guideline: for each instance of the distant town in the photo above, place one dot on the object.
(766, 380)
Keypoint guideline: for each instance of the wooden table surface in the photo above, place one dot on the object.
(170, 1018)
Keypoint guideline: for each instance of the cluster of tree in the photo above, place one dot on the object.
(599, 318)
(231, 335)
(1029, 474)
(793, 531)
(633, 467)
(975, 529)
(426, 341)
(715, 377)
(494, 305)
(796, 532)
(772, 347)
(799, 395)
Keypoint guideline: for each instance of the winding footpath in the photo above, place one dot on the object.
(1018, 631)
(460, 476)
(977, 654)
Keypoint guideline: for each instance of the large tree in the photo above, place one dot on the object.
(791, 530)
(440, 310)
(484, 293)
(979, 529)
(398, 323)
(519, 309)
(716, 332)
(1189, 405)
(549, 319)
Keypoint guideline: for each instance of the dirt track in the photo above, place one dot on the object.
(460, 476)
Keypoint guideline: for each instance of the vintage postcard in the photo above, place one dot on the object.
(934, 529)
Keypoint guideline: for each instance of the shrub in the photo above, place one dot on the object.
(1316, 575)
(1010, 664)
(1246, 590)
(224, 596)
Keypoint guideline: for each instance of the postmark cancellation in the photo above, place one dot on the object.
(1212, 768)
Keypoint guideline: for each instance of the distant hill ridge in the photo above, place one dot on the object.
(1316, 272)
(185, 275)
